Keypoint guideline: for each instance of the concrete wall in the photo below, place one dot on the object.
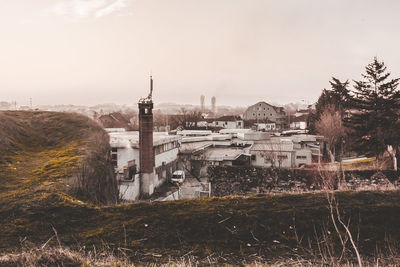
(126, 154)
(147, 183)
(164, 172)
(130, 190)
(282, 159)
(302, 157)
(167, 157)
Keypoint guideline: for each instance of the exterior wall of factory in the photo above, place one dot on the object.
(130, 190)
(302, 157)
(126, 156)
(281, 159)
(280, 153)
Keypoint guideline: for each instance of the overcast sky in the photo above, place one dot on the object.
(101, 51)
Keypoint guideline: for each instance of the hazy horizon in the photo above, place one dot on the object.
(87, 52)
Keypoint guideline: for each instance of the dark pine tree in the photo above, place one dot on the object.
(373, 111)
(337, 97)
(340, 94)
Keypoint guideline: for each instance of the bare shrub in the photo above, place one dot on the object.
(330, 126)
(94, 179)
(331, 181)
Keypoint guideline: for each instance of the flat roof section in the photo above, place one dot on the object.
(131, 139)
(221, 154)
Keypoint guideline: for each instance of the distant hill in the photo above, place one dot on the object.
(51, 152)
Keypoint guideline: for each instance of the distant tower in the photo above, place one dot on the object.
(146, 155)
(202, 98)
(213, 104)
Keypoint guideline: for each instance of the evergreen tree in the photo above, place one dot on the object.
(338, 97)
(340, 94)
(373, 111)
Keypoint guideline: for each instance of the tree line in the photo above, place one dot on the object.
(364, 118)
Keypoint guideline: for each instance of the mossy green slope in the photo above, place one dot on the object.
(49, 152)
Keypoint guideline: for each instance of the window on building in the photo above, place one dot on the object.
(282, 157)
(253, 157)
(301, 157)
(114, 149)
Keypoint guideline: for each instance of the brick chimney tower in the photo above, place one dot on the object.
(146, 154)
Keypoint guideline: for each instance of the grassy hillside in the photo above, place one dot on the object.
(45, 159)
(270, 226)
(43, 153)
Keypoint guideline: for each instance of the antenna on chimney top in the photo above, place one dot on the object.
(151, 88)
(148, 99)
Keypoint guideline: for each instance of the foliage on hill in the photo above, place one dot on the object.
(43, 153)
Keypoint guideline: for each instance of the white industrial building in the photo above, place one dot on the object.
(195, 150)
(234, 146)
(280, 153)
(126, 158)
